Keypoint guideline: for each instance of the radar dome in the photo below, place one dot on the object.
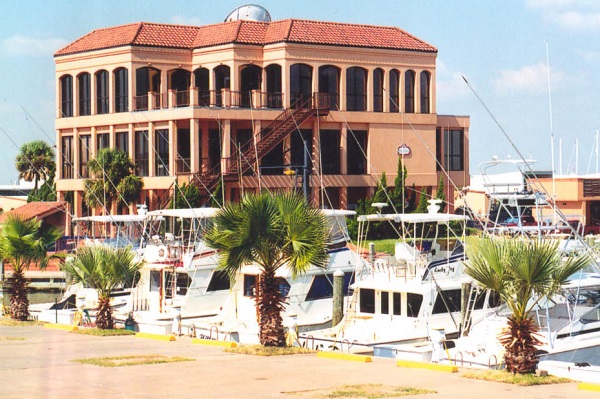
(249, 12)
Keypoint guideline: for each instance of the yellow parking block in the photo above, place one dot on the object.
(212, 342)
(64, 327)
(588, 386)
(158, 337)
(345, 356)
(429, 366)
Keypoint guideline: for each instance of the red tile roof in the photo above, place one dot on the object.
(35, 209)
(247, 32)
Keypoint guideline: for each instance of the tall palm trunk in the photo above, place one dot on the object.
(520, 343)
(19, 303)
(104, 318)
(270, 306)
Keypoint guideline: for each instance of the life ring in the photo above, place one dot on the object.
(163, 253)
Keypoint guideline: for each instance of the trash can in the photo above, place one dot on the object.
(130, 323)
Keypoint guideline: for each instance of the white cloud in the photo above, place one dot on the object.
(530, 79)
(449, 84)
(578, 21)
(570, 15)
(27, 46)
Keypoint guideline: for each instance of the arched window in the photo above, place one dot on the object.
(409, 92)
(147, 80)
(121, 90)
(66, 96)
(202, 84)
(356, 89)
(102, 92)
(300, 83)
(250, 79)
(425, 79)
(85, 93)
(274, 89)
(222, 81)
(378, 90)
(329, 83)
(180, 82)
(394, 90)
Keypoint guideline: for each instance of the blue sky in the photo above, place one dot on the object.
(499, 46)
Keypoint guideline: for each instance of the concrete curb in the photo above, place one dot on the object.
(588, 386)
(64, 327)
(345, 356)
(428, 366)
(158, 337)
(212, 342)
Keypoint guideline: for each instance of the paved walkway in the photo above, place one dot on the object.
(36, 362)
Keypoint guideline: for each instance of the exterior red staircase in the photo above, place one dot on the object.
(273, 134)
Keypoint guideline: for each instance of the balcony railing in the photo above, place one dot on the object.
(141, 103)
(204, 98)
(183, 165)
(182, 98)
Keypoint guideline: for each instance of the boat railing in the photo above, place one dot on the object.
(462, 358)
(210, 332)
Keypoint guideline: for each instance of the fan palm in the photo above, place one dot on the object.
(113, 180)
(23, 243)
(522, 272)
(35, 162)
(104, 269)
(271, 231)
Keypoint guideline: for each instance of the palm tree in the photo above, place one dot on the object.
(104, 269)
(113, 180)
(272, 231)
(23, 243)
(522, 272)
(35, 162)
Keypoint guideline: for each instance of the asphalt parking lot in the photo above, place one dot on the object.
(37, 362)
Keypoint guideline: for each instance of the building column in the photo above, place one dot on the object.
(386, 90)
(204, 146)
(316, 153)
(76, 152)
(173, 133)
(112, 137)
(93, 95)
(285, 84)
(75, 97)
(131, 144)
(343, 90)
(94, 144)
(151, 152)
(195, 145)
(344, 149)
(225, 144)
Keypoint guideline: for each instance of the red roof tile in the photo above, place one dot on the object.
(248, 32)
(35, 209)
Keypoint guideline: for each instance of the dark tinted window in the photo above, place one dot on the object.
(249, 284)
(385, 302)
(447, 301)
(367, 301)
(397, 303)
(219, 281)
(413, 304)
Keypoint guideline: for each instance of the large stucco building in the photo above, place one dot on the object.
(196, 103)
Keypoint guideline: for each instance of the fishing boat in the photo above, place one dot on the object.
(309, 297)
(178, 279)
(117, 231)
(399, 302)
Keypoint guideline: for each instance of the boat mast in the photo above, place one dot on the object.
(551, 129)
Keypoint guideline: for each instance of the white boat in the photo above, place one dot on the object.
(178, 280)
(309, 297)
(109, 230)
(400, 302)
